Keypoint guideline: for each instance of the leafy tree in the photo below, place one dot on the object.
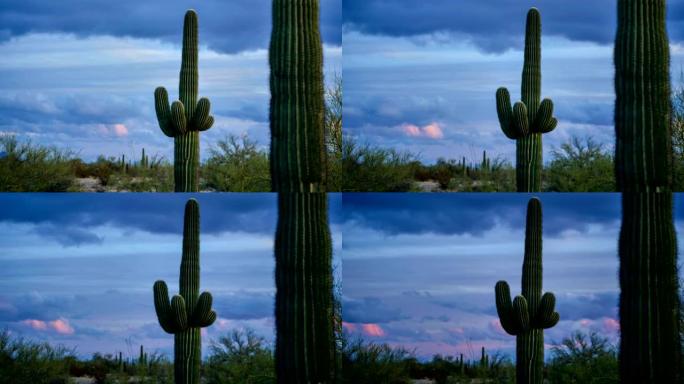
(583, 358)
(26, 167)
(333, 133)
(241, 357)
(580, 166)
(236, 164)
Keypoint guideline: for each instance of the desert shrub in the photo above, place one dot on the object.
(28, 362)
(235, 164)
(367, 168)
(333, 134)
(367, 362)
(241, 357)
(580, 166)
(26, 167)
(678, 134)
(583, 358)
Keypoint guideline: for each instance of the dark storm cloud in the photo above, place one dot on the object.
(67, 218)
(475, 213)
(494, 26)
(225, 26)
(370, 310)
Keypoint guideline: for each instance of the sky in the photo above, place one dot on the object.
(423, 78)
(78, 269)
(419, 270)
(80, 74)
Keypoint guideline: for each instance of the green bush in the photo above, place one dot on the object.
(241, 357)
(236, 165)
(366, 168)
(25, 167)
(372, 363)
(580, 167)
(583, 358)
(28, 362)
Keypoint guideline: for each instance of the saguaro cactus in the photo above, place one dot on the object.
(187, 117)
(528, 119)
(650, 350)
(186, 313)
(528, 315)
(305, 347)
(298, 154)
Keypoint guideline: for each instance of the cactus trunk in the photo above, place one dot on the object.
(186, 313)
(185, 118)
(650, 349)
(529, 314)
(297, 154)
(305, 344)
(528, 119)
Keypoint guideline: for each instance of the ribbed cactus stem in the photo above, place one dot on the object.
(528, 315)
(643, 148)
(186, 313)
(528, 119)
(297, 152)
(650, 349)
(185, 118)
(305, 345)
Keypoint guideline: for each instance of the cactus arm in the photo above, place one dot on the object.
(162, 307)
(161, 105)
(520, 119)
(543, 121)
(203, 312)
(201, 114)
(178, 117)
(505, 113)
(208, 122)
(521, 313)
(546, 316)
(504, 308)
(179, 313)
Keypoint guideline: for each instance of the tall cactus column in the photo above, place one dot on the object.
(304, 298)
(186, 313)
(528, 315)
(298, 156)
(527, 120)
(187, 117)
(650, 350)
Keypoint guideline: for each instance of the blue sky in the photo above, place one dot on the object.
(81, 74)
(78, 269)
(423, 78)
(419, 270)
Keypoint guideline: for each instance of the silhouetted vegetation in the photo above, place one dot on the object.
(578, 358)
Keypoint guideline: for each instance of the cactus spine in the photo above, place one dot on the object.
(305, 347)
(650, 350)
(187, 117)
(186, 313)
(298, 154)
(528, 119)
(528, 315)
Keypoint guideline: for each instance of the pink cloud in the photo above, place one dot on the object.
(372, 330)
(611, 325)
(431, 131)
(350, 327)
(120, 130)
(411, 130)
(60, 325)
(35, 324)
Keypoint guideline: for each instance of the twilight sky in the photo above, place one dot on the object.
(423, 77)
(78, 269)
(80, 74)
(419, 270)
